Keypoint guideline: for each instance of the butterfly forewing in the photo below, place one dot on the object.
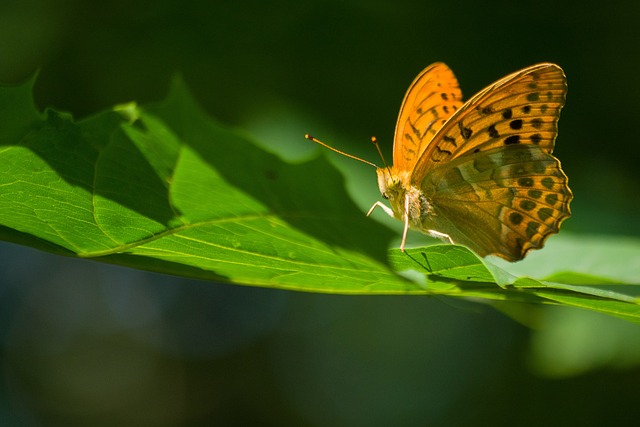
(520, 109)
(433, 97)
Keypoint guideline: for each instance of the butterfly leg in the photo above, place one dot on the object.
(384, 208)
(404, 233)
(439, 235)
(405, 219)
(389, 212)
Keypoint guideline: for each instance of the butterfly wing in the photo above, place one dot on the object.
(522, 108)
(503, 201)
(433, 97)
(488, 173)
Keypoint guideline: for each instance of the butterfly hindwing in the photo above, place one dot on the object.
(504, 201)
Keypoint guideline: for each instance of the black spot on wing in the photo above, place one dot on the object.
(415, 131)
(545, 213)
(534, 194)
(513, 139)
(465, 132)
(515, 218)
(536, 138)
(533, 96)
(527, 204)
(493, 133)
(526, 182)
(441, 150)
(532, 229)
(450, 140)
(516, 124)
(551, 199)
(547, 182)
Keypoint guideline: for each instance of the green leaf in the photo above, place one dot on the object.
(165, 188)
(175, 192)
(475, 277)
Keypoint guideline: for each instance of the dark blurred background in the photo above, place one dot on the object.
(89, 344)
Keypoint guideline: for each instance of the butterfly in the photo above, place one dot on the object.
(479, 173)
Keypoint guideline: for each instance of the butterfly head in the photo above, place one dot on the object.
(393, 186)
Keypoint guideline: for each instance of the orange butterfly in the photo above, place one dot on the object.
(479, 173)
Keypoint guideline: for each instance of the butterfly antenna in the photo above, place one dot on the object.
(375, 142)
(311, 138)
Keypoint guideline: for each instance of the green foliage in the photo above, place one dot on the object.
(165, 188)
